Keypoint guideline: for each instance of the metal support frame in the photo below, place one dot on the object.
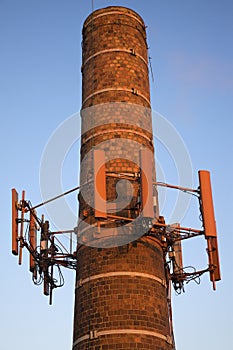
(47, 256)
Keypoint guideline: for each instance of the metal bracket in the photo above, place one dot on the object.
(93, 335)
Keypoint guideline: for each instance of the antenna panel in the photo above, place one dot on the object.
(215, 274)
(46, 284)
(207, 210)
(44, 237)
(146, 183)
(178, 266)
(32, 239)
(207, 207)
(15, 233)
(99, 184)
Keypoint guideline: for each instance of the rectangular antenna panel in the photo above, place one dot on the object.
(46, 284)
(178, 268)
(32, 239)
(146, 183)
(215, 275)
(207, 207)
(99, 184)
(15, 234)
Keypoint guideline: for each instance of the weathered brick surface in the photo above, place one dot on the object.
(117, 119)
(124, 342)
(114, 69)
(121, 302)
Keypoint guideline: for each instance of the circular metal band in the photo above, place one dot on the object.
(113, 13)
(81, 282)
(96, 334)
(114, 131)
(131, 52)
(132, 91)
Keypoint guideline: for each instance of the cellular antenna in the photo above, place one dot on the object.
(46, 257)
(209, 225)
(178, 255)
(146, 158)
(32, 241)
(99, 184)
(206, 204)
(15, 238)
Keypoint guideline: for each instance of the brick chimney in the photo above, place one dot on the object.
(121, 287)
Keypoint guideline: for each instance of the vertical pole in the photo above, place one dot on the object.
(21, 229)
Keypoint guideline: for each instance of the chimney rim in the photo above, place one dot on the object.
(119, 9)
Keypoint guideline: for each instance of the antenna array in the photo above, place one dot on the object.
(47, 253)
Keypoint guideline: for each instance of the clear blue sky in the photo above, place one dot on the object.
(192, 59)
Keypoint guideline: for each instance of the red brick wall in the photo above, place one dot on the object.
(114, 69)
(116, 117)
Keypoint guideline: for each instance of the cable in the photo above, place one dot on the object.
(151, 70)
(54, 198)
(183, 189)
(61, 245)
